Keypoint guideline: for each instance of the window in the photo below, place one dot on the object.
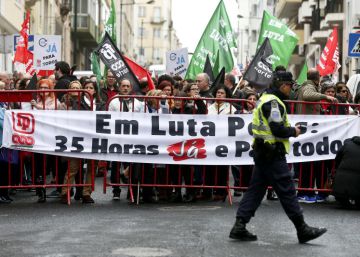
(83, 4)
(141, 51)
(157, 53)
(253, 35)
(157, 14)
(157, 33)
(142, 11)
(254, 10)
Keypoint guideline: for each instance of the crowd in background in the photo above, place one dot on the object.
(110, 95)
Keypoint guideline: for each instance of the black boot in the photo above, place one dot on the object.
(41, 193)
(78, 194)
(240, 232)
(306, 233)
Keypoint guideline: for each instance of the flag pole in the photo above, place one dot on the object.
(238, 85)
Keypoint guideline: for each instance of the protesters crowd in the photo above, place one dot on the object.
(227, 97)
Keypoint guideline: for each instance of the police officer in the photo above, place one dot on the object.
(272, 130)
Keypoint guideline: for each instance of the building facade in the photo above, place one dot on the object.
(154, 33)
(313, 21)
(11, 18)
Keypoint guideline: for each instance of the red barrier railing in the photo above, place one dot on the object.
(161, 181)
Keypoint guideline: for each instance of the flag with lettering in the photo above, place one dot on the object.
(23, 59)
(259, 73)
(218, 35)
(329, 59)
(113, 60)
(282, 39)
(110, 25)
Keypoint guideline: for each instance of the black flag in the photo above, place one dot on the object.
(32, 85)
(208, 69)
(259, 72)
(220, 78)
(114, 61)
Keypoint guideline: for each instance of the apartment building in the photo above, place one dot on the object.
(154, 33)
(11, 18)
(313, 21)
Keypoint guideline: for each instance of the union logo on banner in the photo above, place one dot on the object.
(23, 123)
(189, 149)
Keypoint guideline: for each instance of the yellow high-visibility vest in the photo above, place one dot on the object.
(260, 125)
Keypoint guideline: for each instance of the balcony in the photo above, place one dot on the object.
(157, 21)
(319, 36)
(305, 12)
(334, 19)
(86, 30)
(334, 13)
(287, 8)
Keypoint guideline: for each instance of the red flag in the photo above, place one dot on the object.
(21, 54)
(139, 72)
(23, 58)
(329, 59)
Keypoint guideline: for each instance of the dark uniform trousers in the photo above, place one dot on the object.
(275, 173)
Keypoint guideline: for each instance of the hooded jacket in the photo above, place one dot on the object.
(347, 164)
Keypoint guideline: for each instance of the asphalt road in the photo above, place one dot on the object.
(109, 228)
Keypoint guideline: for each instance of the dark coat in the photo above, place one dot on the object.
(62, 84)
(347, 164)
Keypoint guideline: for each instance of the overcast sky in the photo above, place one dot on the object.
(191, 17)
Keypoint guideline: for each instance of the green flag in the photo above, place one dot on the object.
(110, 25)
(218, 35)
(303, 74)
(217, 66)
(110, 28)
(96, 67)
(282, 39)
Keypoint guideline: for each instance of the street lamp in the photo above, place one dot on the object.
(121, 12)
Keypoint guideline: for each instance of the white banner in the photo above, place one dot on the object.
(47, 51)
(177, 62)
(165, 138)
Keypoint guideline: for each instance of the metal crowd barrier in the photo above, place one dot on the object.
(157, 180)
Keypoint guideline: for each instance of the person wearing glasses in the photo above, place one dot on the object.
(271, 130)
(111, 89)
(344, 96)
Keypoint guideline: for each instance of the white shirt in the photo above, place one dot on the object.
(135, 106)
(224, 108)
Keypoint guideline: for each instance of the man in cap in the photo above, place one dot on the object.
(271, 130)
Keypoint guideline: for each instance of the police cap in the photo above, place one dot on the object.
(283, 77)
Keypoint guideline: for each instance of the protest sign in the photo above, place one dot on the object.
(177, 62)
(168, 139)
